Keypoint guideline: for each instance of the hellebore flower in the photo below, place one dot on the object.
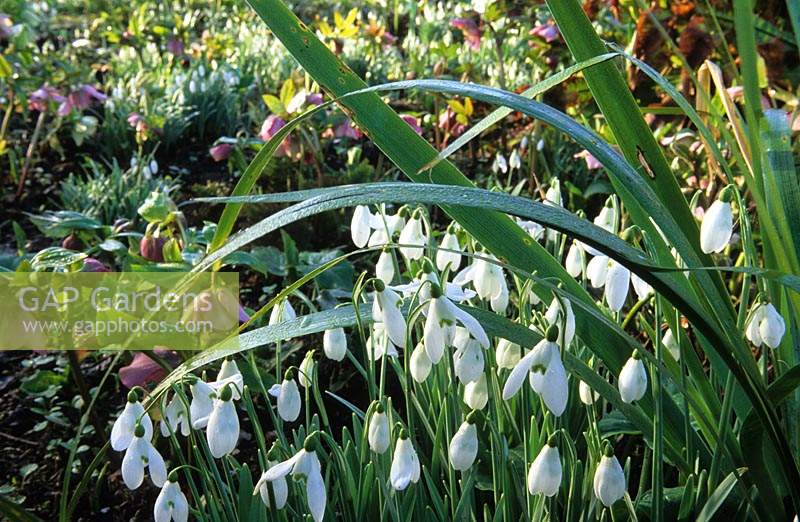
(470, 30)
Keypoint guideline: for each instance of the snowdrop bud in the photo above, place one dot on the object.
(306, 372)
(445, 258)
(468, 361)
(420, 363)
(609, 479)
(515, 161)
(153, 167)
(379, 432)
(171, 503)
(617, 283)
(413, 234)
(288, 396)
(222, 431)
(544, 476)
(507, 354)
(717, 226)
(384, 268)
(281, 312)
(476, 393)
(334, 344)
(607, 218)
(500, 164)
(574, 262)
(587, 395)
(464, 445)
(671, 343)
(360, 226)
(405, 463)
(633, 379)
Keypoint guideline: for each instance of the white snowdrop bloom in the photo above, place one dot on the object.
(378, 344)
(420, 364)
(384, 268)
(574, 261)
(499, 164)
(125, 425)
(405, 463)
(288, 395)
(544, 475)
(439, 327)
(413, 234)
(139, 455)
(304, 463)
(540, 357)
(146, 172)
(203, 395)
(379, 431)
(468, 360)
(617, 282)
(153, 167)
(717, 226)
(281, 313)
(564, 318)
(633, 379)
(280, 489)
(671, 343)
(175, 417)
(515, 160)
(553, 197)
(445, 259)
(386, 310)
(609, 479)
(222, 431)
(334, 344)
(532, 228)
(192, 86)
(641, 288)
(607, 218)
(586, 394)
(476, 393)
(360, 229)
(305, 375)
(546, 374)
(507, 354)
(228, 375)
(597, 271)
(765, 326)
(488, 280)
(171, 503)
(464, 445)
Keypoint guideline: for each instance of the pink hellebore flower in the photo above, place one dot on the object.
(175, 46)
(347, 130)
(548, 31)
(37, 100)
(472, 35)
(143, 370)
(413, 123)
(221, 152)
(591, 161)
(81, 99)
(138, 122)
(314, 98)
(91, 264)
(447, 121)
(272, 125)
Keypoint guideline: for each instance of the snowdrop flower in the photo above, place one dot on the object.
(420, 364)
(633, 379)
(378, 344)
(544, 475)
(280, 489)
(334, 344)
(560, 314)
(229, 374)
(546, 374)
(222, 431)
(641, 288)
(765, 326)
(476, 393)
(153, 167)
(717, 226)
(507, 354)
(175, 418)
(379, 432)
(489, 282)
(420, 286)
(671, 343)
(604, 271)
(386, 310)
(281, 313)
(203, 395)
(305, 374)
(288, 396)
(468, 358)
(533, 229)
(499, 164)
(171, 503)
(384, 268)
(413, 234)
(586, 394)
(360, 229)
(574, 262)
(405, 463)
(439, 329)
(445, 259)
(122, 433)
(609, 479)
(385, 226)
(304, 463)
(141, 454)
(515, 161)
(464, 445)
(607, 218)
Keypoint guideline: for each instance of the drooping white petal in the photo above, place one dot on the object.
(155, 465)
(420, 364)
(405, 465)
(753, 329)
(222, 431)
(671, 344)
(464, 447)
(609, 481)
(772, 326)
(632, 380)
(476, 393)
(392, 316)
(279, 487)
(229, 375)
(587, 395)
(470, 323)
(436, 332)
(617, 282)
(641, 288)
(518, 374)
(281, 313)
(289, 401)
(315, 492)
(445, 259)
(499, 302)
(305, 374)
(360, 226)
(544, 476)
(281, 469)
(133, 462)
(202, 403)
(334, 344)
(171, 504)
(717, 227)
(468, 362)
(412, 234)
(124, 425)
(384, 268)
(563, 318)
(574, 261)
(597, 271)
(555, 391)
(378, 433)
(507, 354)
